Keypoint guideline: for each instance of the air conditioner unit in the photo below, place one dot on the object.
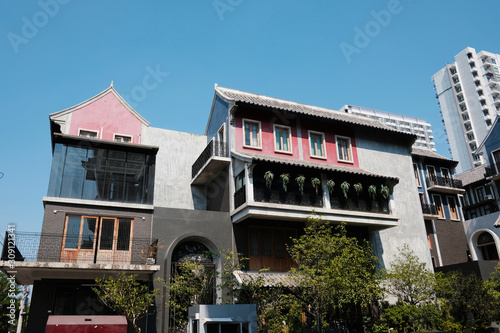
(488, 197)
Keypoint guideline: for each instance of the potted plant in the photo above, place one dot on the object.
(385, 191)
(358, 188)
(285, 178)
(345, 188)
(269, 176)
(300, 181)
(315, 182)
(330, 184)
(372, 192)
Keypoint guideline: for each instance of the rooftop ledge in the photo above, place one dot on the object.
(27, 272)
(374, 221)
(98, 203)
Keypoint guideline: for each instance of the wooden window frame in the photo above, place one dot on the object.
(288, 138)
(338, 139)
(310, 135)
(251, 139)
(122, 136)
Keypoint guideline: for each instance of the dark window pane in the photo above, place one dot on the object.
(266, 243)
(279, 246)
(107, 233)
(88, 233)
(124, 235)
(74, 172)
(254, 242)
(72, 232)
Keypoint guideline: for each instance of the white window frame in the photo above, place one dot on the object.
(434, 196)
(417, 175)
(448, 198)
(289, 130)
(116, 135)
(80, 130)
(337, 137)
(259, 134)
(323, 144)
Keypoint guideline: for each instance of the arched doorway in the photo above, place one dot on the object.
(487, 247)
(192, 279)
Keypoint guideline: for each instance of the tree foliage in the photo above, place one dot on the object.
(336, 276)
(9, 303)
(127, 296)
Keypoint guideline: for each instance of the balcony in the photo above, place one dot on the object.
(491, 172)
(257, 200)
(39, 256)
(444, 185)
(213, 159)
(430, 212)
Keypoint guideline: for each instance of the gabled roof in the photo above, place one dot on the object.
(275, 103)
(96, 97)
(309, 164)
(429, 154)
(473, 175)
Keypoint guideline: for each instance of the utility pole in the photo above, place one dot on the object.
(22, 309)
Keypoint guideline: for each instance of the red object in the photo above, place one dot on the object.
(86, 324)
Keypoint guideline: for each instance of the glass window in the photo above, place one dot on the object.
(124, 231)
(251, 133)
(317, 141)
(123, 138)
(417, 176)
(344, 149)
(88, 134)
(88, 233)
(452, 205)
(72, 232)
(101, 174)
(439, 206)
(282, 139)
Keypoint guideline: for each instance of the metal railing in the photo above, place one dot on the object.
(429, 209)
(239, 197)
(214, 148)
(38, 247)
(444, 181)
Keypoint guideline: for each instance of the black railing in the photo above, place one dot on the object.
(379, 205)
(240, 197)
(49, 248)
(214, 148)
(492, 170)
(443, 181)
(288, 198)
(429, 209)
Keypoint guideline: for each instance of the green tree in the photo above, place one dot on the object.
(127, 296)
(9, 303)
(336, 276)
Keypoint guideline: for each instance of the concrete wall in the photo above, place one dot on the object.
(386, 156)
(474, 227)
(176, 155)
(174, 226)
(452, 241)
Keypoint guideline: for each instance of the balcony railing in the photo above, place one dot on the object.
(444, 181)
(288, 198)
(37, 247)
(214, 148)
(239, 197)
(491, 171)
(429, 209)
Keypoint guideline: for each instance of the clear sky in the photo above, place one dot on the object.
(165, 57)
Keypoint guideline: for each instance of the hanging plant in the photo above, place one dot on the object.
(300, 181)
(358, 188)
(330, 184)
(269, 176)
(315, 182)
(372, 192)
(285, 178)
(345, 188)
(385, 191)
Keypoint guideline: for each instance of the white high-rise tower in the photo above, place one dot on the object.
(469, 96)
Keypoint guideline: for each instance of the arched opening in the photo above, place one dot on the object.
(486, 244)
(192, 279)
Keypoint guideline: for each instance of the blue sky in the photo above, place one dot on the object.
(58, 53)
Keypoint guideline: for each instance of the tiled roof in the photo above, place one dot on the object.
(261, 100)
(309, 164)
(269, 279)
(427, 153)
(472, 175)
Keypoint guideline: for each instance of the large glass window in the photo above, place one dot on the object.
(344, 149)
(251, 133)
(317, 141)
(91, 173)
(282, 139)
